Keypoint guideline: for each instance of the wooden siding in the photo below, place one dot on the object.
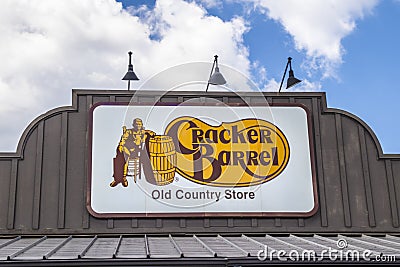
(44, 183)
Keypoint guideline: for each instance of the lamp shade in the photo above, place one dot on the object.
(217, 78)
(130, 75)
(291, 80)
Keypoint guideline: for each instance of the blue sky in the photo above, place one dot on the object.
(348, 49)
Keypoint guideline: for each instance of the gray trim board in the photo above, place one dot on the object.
(12, 193)
(342, 171)
(38, 177)
(63, 170)
(367, 178)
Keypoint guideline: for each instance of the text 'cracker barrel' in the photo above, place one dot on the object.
(162, 158)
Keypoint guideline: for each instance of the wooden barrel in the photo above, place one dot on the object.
(162, 158)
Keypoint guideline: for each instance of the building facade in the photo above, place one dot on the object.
(45, 182)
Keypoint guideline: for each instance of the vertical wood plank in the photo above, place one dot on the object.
(134, 223)
(159, 223)
(206, 223)
(12, 194)
(367, 177)
(320, 169)
(85, 215)
(38, 176)
(182, 223)
(342, 171)
(110, 223)
(392, 193)
(254, 222)
(63, 171)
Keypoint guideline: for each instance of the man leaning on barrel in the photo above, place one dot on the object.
(128, 149)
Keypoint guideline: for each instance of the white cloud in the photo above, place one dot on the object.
(305, 86)
(317, 27)
(271, 86)
(211, 3)
(49, 47)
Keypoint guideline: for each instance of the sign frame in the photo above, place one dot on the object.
(200, 214)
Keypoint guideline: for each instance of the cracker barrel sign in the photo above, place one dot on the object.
(208, 161)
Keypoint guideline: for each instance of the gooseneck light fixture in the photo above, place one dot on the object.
(216, 78)
(291, 80)
(130, 75)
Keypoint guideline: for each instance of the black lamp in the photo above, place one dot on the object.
(130, 75)
(291, 80)
(216, 78)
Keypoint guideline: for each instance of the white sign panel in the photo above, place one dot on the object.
(200, 161)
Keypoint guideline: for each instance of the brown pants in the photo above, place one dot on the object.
(119, 165)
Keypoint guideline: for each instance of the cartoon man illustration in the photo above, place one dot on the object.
(129, 149)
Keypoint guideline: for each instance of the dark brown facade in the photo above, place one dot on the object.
(44, 183)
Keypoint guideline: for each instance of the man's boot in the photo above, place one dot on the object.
(114, 183)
